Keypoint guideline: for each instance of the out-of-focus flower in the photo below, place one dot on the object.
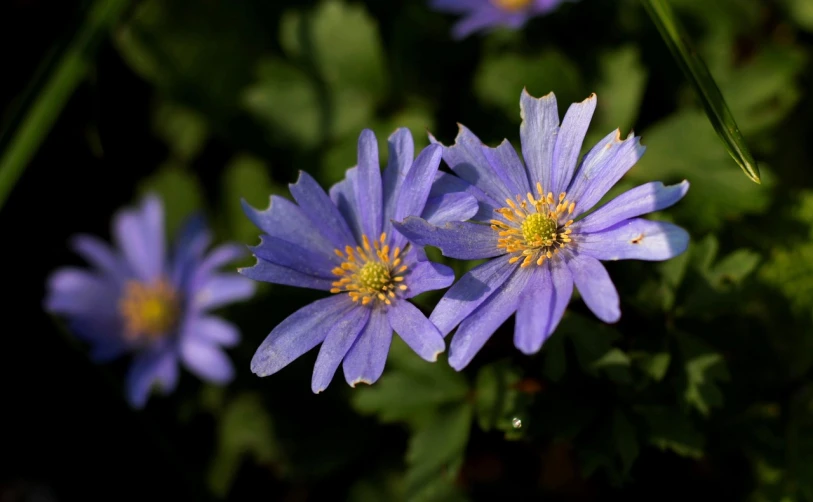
(482, 15)
(136, 299)
(532, 222)
(344, 243)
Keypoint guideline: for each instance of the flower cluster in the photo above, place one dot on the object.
(362, 243)
(484, 15)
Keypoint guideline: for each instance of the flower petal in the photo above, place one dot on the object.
(635, 239)
(425, 275)
(640, 200)
(339, 339)
(321, 211)
(298, 333)
(75, 291)
(470, 292)
(462, 240)
(601, 168)
(222, 289)
(449, 184)
(478, 327)
(285, 220)
(368, 185)
(366, 359)
(157, 365)
(569, 143)
(206, 360)
(343, 194)
(540, 125)
(190, 244)
(476, 21)
(467, 159)
(141, 245)
(418, 183)
(401, 154)
(289, 255)
(101, 255)
(213, 330)
(596, 287)
(450, 207)
(416, 330)
(541, 306)
(506, 163)
(275, 274)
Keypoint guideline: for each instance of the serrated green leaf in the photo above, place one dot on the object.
(654, 365)
(696, 71)
(704, 369)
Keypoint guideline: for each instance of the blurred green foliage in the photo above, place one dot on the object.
(705, 383)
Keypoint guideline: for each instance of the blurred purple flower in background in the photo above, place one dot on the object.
(530, 224)
(344, 243)
(482, 15)
(139, 300)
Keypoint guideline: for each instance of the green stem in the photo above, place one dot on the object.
(698, 74)
(62, 76)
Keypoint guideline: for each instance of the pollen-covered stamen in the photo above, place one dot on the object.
(149, 310)
(535, 228)
(370, 272)
(511, 5)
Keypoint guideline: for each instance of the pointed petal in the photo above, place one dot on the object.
(368, 186)
(321, 211)
(285, 220)
(289, 255)
(506, 163)
(640, 200)
(418, 182)
(298, 333)
(399, 161)
(596, 287)
(601, 168)
(75, 291)
(416, 330)
(540, 125)
(343, 194)
(450, 184)
(340, 338)
(213, 330)
(139, 234)
(366, 359)
(569, 143)
(461, 240)
(635, 239)
(470, 292)
(478, 327)
(154, 366)
(425, 275)
(467, 159)
(206, 360)
(275, 274)
(541, 306)
(100, 255)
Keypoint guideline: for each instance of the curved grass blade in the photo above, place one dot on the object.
(60, 77)
(698, 74)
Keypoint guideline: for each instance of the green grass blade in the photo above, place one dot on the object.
(698, 74)
(61, 77)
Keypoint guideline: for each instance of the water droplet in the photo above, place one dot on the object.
(517, 423)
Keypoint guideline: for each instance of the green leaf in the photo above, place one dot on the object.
(287, 102)
(501, 77)
(654, 365)
(499, 401)
(180, 192)
(435, 452)
(182, 129)
(801, 11)
(411, 389)
(695, 70)
(47, 96)
(683, 146)
(620, 90)
(704, 369)
(244, 429)
(671, 430)
(626, 442)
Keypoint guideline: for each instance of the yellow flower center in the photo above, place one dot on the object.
(149, 310)
(512, 5)
(532, 228)
(370, 273)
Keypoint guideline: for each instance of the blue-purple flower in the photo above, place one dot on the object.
(343, 243)
(534, 222)
(481, 15)
(136, 299)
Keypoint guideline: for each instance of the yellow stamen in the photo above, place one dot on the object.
(149, 311)
(511, 5)
(370, 274)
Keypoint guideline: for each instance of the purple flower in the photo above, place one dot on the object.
(480, 15)
(344, 244)
(533, 221)
(138, 300)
